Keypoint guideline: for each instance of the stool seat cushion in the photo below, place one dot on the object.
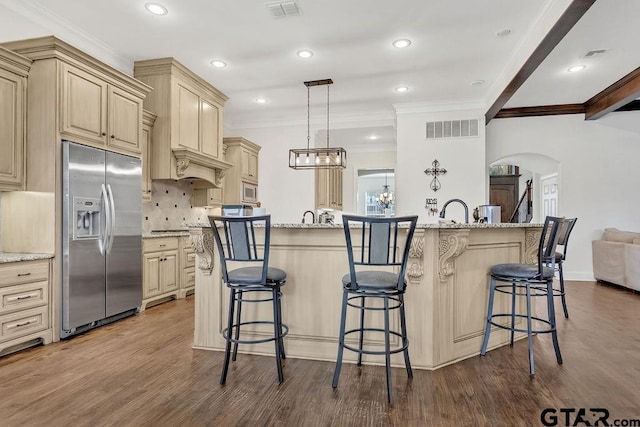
(521, 271)
(373, 280)
(253, 275)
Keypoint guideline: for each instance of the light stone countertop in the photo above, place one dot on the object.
(6, 257)
(447, 225)
(158, 234)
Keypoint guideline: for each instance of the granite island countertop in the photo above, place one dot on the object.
(419, 226)
(159, 234)
(6, 257)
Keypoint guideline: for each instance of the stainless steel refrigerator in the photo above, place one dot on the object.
(101, 237)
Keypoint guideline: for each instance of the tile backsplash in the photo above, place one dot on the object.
(170, 206)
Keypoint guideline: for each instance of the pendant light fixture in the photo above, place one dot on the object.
(385, 199)
(317, 158)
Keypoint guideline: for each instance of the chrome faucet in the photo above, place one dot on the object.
(313, 216)
(466, 209)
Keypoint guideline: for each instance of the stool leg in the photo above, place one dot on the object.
(277, 331)
(487, 330)
(361, 341)
(564, 301)
(387, 348)
(237, 331)
(532, 369)
(552, 320)
(403, 326)
(282, 353)
(343, 317)
(227, 351)
(513, 312)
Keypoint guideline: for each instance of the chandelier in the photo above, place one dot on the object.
(385, 199)
(317, 158)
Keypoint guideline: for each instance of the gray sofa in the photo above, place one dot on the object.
(616, 258)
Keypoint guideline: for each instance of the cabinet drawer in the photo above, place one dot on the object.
(16, 273)
(190, 259)
(189, 278)
(20, 297)
(23, 323)
(160, 244)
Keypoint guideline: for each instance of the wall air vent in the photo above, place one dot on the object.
(452, 129)
(592, 53)
(279, 9)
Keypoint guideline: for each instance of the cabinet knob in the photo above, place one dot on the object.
(104, 134)
(113, 136)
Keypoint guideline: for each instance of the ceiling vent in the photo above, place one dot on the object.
(452, 129)
(279, 9)
(593, 53)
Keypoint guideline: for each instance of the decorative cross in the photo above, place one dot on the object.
(435, 171)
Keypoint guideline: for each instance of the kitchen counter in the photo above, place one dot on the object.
(446, 300)
(19, 256)
(171, 233)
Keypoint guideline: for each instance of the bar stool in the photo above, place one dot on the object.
(238, 242)
(528, 280)
(377, 246)
(561, 256)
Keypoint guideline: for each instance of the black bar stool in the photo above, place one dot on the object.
(378, 246)
(561, 256)
(528, 280)
(238, 243)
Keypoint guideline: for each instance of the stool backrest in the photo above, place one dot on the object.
(378, 243)
(565, 232)
(549, 242)
(237, 241)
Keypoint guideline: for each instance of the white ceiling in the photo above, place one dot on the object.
(453, 44)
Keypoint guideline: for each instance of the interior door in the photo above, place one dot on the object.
(503, 191)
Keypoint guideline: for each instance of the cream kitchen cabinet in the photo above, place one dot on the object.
(187, 268)
(99, 113)
(73, 96)
(14, 70)
(241, 180)
(25, 316)
(187, 135)
(160, 270)
(146, 148)
(328, 189)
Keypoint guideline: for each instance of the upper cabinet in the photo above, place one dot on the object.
(329, 188)
(14, 70)
(73, 96)
(148, 119)
(241, 181)
(187, 136)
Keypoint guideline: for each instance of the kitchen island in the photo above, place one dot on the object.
(446, 299)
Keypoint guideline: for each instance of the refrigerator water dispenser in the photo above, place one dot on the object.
(86, 212)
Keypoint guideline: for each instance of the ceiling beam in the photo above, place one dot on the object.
(569, 18)
(615, 96)
(542, 110)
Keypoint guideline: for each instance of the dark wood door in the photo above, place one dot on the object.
(504, 191)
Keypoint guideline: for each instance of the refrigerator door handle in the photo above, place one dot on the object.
(112, 223)
(104, 232)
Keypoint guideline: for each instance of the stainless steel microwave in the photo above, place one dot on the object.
(249, 193)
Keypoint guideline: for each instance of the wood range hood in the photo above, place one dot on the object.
(190, 164)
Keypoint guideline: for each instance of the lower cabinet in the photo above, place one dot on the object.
(25, 317)
(160, 274)
(169, 269)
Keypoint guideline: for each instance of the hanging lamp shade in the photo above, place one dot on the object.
(317, 158)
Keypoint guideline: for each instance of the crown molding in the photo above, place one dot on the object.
(37, 13)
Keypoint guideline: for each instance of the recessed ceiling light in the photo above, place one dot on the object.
(305, 53)
(503, 33)
(401, 43)
(477, 83)
(402, 89)
(218, 64)
(262, 100)
(373, 137)
(576, 68)
(156, 9)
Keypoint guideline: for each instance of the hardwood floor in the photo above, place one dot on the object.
(142, 371)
